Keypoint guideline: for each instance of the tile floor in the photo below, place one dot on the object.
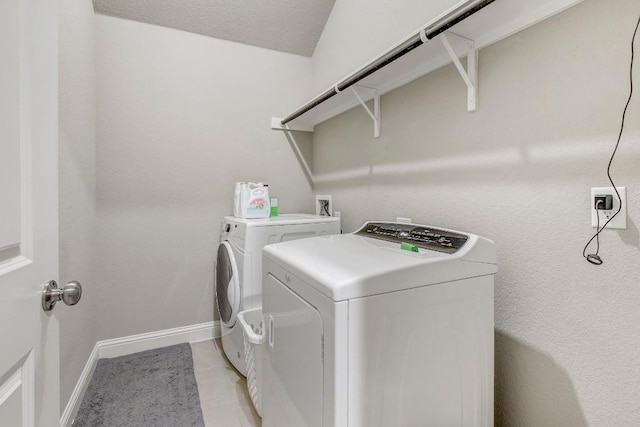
(223, 391)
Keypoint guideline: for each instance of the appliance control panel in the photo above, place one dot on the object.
(423, 237)
(231, 229)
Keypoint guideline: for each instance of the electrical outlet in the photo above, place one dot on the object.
(324, 207)
(620, 221)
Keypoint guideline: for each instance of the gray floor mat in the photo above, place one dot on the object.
(151, 388)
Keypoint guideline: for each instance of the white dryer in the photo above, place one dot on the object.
(389, 326)
(239, 267)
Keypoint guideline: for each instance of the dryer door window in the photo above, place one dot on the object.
(227, 285)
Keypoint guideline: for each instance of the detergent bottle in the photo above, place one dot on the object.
(254, 200)
(237, 198)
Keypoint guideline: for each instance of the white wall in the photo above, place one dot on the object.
(181, 118)
(359, 30)
(77, 187)
(519, 171)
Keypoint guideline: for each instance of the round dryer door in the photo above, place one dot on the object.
(227, 285)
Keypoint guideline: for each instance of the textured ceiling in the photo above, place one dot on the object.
(292, 26)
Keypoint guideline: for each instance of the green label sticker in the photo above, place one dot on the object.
(408, 247)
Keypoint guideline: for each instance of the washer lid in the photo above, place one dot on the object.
(283, 219)
(227, 285)
(351, 266)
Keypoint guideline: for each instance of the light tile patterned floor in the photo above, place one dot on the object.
(223, 390)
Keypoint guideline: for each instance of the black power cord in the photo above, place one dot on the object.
(595, 258)
(325, 207)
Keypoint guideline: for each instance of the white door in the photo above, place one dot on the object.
(29, 394)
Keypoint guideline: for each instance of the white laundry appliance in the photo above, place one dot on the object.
(391, 326)
(239, 267)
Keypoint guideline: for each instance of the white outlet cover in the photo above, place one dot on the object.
(620, 221)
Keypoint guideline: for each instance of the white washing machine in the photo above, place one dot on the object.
(239, 267)
(389, 326)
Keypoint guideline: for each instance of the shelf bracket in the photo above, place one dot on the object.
(375, 115)
(470, 75)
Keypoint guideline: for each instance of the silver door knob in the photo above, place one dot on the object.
(70, 294)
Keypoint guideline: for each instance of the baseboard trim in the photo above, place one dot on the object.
(133, 344)
(73, 405)
(141, 342)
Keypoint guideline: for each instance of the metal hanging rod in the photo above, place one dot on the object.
(442, 23)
